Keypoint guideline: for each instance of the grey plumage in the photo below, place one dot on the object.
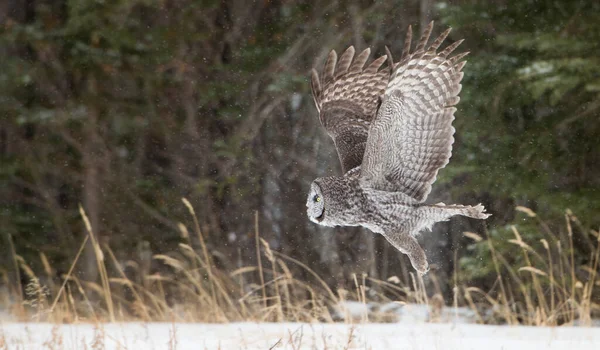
(392, 128)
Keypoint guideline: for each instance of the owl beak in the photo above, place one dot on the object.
(320, 218)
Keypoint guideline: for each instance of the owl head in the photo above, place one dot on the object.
(315, 203)
(327, 203)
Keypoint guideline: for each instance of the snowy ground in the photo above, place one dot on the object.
(294, 336)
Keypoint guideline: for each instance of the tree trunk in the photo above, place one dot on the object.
(91, 191)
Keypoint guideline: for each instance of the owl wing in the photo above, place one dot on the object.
(411, 137)
(346, 96)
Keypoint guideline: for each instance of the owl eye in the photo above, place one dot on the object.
(317, 198)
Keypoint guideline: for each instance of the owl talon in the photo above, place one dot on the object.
(423, 273)
(422, 270)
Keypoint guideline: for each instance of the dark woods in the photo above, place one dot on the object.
(124, 107)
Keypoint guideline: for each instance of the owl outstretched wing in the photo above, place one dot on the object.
(412, 135)
(346, 96)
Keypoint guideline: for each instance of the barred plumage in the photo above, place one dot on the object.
(393, 131)
(347, 101)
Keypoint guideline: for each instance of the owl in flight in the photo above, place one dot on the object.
(392, 129)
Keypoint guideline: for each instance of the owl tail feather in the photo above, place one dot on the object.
(475, 212)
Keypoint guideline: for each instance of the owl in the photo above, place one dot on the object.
(392, 129)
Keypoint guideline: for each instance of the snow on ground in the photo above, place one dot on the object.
(401, 313)
(293, 336)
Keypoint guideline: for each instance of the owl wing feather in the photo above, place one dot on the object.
(346, 96)
(412, 135)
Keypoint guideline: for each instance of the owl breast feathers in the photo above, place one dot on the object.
(392, 128)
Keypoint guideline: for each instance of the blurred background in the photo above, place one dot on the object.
(126, 106)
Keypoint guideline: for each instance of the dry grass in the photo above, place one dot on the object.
(550, 289)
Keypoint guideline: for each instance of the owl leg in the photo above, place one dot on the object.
(408, 244)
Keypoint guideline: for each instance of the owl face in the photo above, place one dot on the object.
(315, 204)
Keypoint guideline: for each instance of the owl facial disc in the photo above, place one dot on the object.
(315, 204)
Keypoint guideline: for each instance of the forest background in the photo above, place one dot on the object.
(127, 106)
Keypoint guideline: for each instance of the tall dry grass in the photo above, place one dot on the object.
(552, 288)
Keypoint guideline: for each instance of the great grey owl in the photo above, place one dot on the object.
(392, 129)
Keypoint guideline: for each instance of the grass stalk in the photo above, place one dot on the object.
(66, 278)
(205, 252)
(101, 266)
(18, 286)
(506, 307)
(259, 260)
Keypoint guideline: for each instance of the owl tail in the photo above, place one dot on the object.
(447, 211)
